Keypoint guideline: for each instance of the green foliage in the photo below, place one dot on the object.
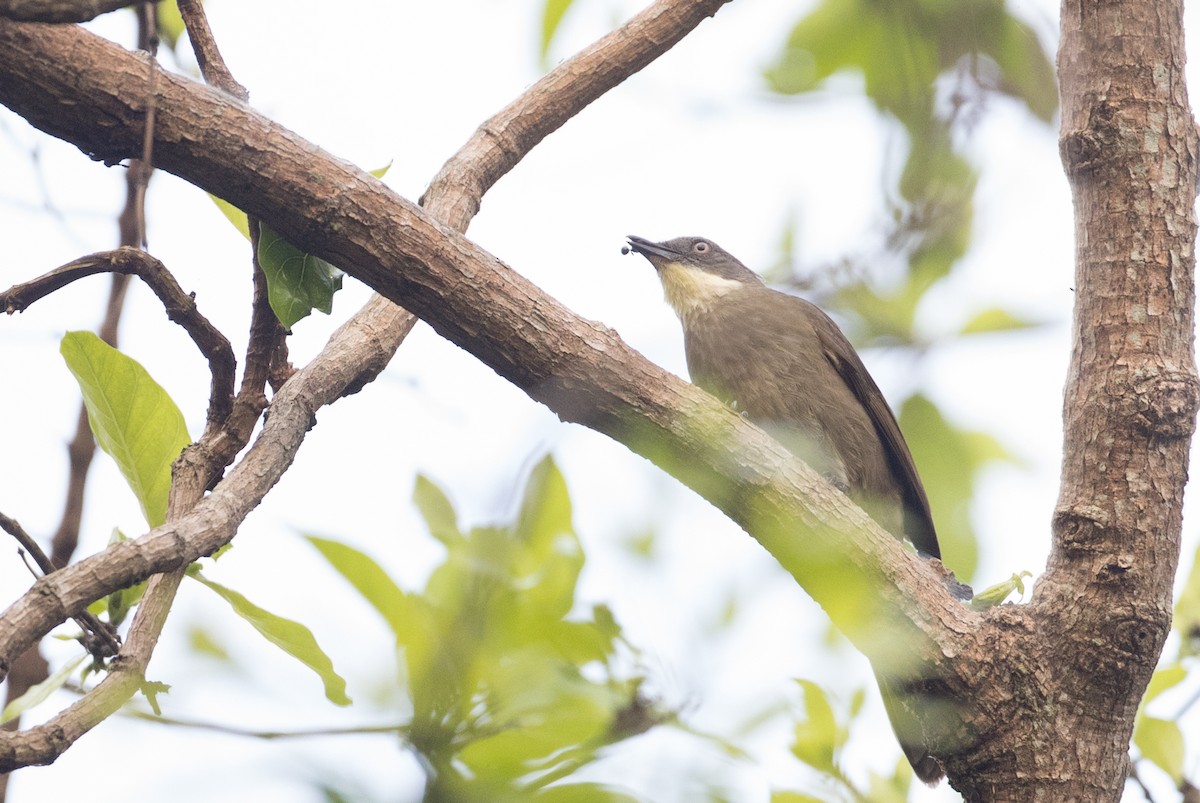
(552, 15)
(132, 417)
(39, 692)
(169, 23)
(1187, 610)
(950, 460)
(297, 283)
(901, 47)
(819, 738)
(1161, 742)
(510, 693)
(994, 595)
(292, 637)
(906, 52)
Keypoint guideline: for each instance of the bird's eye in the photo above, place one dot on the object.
(701, 247)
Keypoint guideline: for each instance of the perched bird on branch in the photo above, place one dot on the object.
(784, 364)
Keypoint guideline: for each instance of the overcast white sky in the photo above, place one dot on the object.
(693, 145)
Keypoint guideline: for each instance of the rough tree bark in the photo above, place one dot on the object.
(1041, 697)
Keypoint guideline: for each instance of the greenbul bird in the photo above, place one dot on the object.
(784, 364)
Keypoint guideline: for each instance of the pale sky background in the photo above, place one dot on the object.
(692, 145)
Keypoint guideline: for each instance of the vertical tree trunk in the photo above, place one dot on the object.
(1102, 611)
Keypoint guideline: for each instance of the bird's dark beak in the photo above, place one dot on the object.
(649, 249)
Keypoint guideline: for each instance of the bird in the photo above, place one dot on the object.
(783, 364)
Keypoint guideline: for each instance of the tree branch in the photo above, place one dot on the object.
(580, 369)
(355, 354)
(60, 10)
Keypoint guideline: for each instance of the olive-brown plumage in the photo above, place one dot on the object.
(785, 365)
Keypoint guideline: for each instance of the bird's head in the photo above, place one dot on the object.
(695, 273)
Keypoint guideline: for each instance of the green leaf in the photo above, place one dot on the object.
(996, 319)
(437, 511)
(583, 793)
(369, 579)
(132, 417)
(552, 16)
(1161, 742)
(550, 562)
(120, 602)
(38, 693)
(1187, 610)
(234, 215)
(150, 689)
(297, 283)
(1028, 73)
(817, 734)
(169, 23)
(292, 637)
(1165, 678)
(380, 172)
(794, 797)
(992, 596)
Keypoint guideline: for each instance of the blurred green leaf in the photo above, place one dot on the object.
(437, 511)
(292, 637)
(1026, 72)
(150, 689)
(1160, 742)
(202, 641)
(169, 23)
(551, 559)
(949, 467)
(794, 797)
(39, 692)
(892, 788)
(1164, 678)
(1187, 610)
(132, 417)
(369, 579)
(234, 215)
(583, 793)
(297, 283)
(552, 15)
(120, 602)
(816, 736)
(901, 47)
(996, 319)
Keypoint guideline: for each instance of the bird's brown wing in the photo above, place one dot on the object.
(918, 521)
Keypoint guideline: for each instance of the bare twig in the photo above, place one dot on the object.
(179, 305)
(99, 638)
(232, 730)
(208, 55)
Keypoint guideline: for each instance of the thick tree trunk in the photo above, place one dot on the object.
(1102, 611)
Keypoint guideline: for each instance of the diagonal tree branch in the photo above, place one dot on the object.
(361, 348)
(580, 369)
(60, 10)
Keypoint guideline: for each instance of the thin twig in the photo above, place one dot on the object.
(208, 55)
(60, 10)
(179, 305)
(99, 638)
(233, 730)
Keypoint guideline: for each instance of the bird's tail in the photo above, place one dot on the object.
(908, 730)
